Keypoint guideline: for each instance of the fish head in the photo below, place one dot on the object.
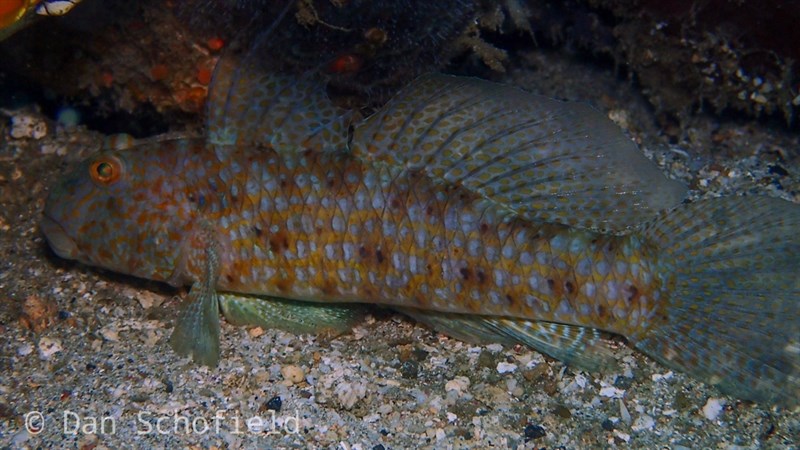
(122, 210)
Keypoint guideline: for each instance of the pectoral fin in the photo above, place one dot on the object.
(196, 332)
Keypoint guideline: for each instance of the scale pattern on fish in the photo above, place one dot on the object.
(486, 212)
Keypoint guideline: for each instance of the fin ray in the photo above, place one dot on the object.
(289, 315)
(250, 106)
(197, 330)
(196, 333)
(522, 151)
(733, 318)
(582, 347)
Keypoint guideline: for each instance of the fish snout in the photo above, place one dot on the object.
(63, 245)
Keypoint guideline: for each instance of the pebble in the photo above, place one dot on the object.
(504, 367)
(110, 333)
(20, 438)
(659, 376)
(562, 411)
(643, 422)
(409, 369)
(536, 373)
(533, 432)
(38, 313)
(146, 299)
(53, 149)
(275, 404)
(682, 401)
(28, 126)
(49, 347)
(625, 437)
(495, 348)
(611, 392)
(458, 384)
(256, 332)
(150, 338)
(485, 359)
(350, 393)
(580, 380)
(713, 407)
(624, 414)
(623, 382)
(25, 349)
(292, 374)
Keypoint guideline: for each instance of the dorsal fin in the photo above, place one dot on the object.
(124, 141)
(248, 105)
(540, 158)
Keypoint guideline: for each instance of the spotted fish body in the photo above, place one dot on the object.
(478, 209)
(326, 227)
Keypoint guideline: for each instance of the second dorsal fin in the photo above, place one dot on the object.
(537, 157)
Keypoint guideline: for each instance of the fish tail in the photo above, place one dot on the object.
(732, 317)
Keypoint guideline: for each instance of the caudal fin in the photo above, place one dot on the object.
(733, 317)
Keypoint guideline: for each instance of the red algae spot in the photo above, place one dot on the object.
(348, 63)
(106, 79)
(38, 313)
(204, 75)
(215, 44)
(159, 72)
(191, 99)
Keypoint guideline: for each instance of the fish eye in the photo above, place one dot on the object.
(105, 170)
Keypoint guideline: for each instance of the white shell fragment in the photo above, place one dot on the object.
(28, 126)
(504, 367)
(49, 347)
(56, 7)
(713, 408)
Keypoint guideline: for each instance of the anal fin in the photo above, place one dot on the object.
(582, 347)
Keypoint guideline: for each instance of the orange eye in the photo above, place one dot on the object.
(106, 170)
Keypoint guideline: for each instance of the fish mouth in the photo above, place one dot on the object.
(57, 237)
